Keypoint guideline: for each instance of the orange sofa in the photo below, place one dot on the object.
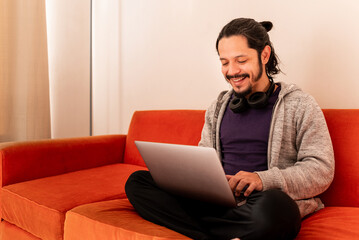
(73, 189)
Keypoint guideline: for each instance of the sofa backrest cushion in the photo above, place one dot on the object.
(343, 126)
(167, 126)
(185, 126)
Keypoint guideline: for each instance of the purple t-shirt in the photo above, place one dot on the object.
(244, 138)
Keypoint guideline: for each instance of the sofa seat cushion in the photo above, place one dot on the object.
(39, 206)
(331, 223)
(117, 220)
(114, 219)
(11, 232)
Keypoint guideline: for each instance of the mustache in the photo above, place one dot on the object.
(229, 77)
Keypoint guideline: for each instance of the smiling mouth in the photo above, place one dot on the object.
(237, 78)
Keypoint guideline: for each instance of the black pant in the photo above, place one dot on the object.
(267, 215)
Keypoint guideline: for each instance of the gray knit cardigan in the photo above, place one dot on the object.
(300, 152)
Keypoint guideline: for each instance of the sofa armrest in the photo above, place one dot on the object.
(23, 161)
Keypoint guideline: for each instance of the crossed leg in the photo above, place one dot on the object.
(266, 215)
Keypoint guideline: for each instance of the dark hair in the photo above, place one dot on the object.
(257, 37)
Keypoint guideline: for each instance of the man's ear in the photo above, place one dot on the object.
(266, 54)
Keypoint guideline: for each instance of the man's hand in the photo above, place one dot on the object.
(242, 179)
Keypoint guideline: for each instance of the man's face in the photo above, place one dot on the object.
(241, 65)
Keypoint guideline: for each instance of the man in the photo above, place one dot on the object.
(272, 140)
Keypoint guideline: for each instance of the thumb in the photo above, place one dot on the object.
(229, 177)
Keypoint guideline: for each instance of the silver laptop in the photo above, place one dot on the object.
(189, 171)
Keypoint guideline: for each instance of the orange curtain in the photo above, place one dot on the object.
(24, 81)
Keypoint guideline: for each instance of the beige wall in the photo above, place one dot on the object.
(160, 54)
(169, 60)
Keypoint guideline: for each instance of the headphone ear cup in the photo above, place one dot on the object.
(258, 100)
(238, 105)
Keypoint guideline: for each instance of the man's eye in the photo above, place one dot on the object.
(224, 64)
(243, 61)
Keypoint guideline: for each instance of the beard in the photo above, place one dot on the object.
(245, 92)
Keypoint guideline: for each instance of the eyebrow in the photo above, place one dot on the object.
(239, 56)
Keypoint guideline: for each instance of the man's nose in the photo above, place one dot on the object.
(233, 69)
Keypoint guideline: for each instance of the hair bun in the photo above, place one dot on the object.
(267, 25)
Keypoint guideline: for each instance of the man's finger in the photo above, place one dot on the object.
(249, 190)
(233, 182)
(240, 186)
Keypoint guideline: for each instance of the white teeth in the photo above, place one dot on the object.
(238, 79)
